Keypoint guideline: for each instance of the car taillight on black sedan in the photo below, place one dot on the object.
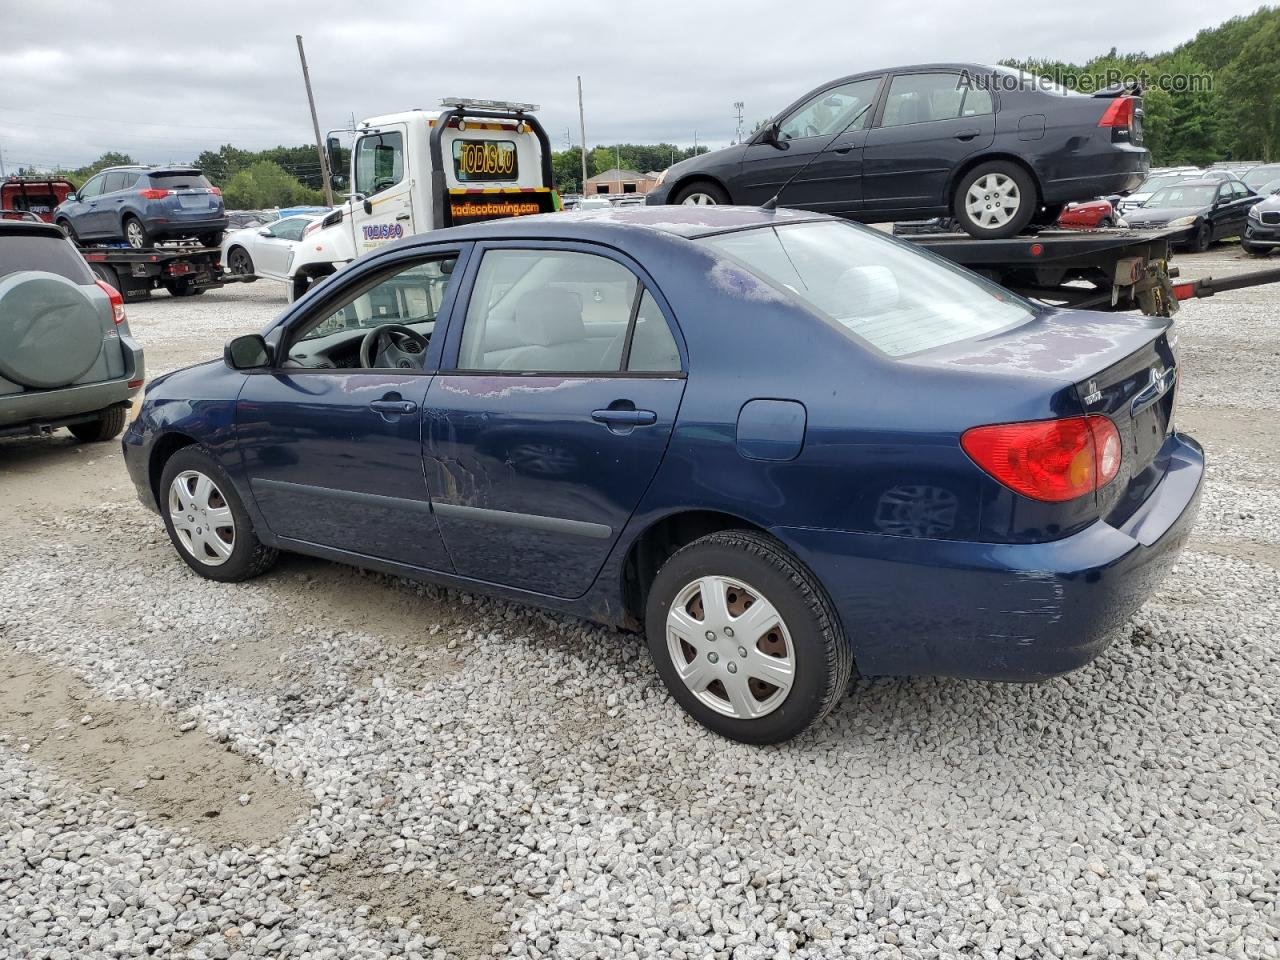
(1124, 118)
(1051, 460)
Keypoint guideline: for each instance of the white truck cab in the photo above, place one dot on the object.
(413, 172)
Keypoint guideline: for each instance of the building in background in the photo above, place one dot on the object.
(620, 181)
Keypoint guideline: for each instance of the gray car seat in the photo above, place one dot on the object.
(549, 321)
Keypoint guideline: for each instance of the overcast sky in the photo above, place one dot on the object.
(165, 81)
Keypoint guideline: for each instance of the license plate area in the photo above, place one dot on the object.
(192, 201)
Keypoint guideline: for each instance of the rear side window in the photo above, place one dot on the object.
(50, 254)
(921, 97)
(653, 349)
(179, 181)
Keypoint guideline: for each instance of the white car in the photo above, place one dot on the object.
(265, 251)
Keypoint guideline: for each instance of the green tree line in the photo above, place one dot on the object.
(1234, 116)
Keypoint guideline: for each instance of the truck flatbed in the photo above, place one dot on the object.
(184, 270)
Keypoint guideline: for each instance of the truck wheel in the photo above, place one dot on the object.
(69, 230)
(212, 239)
(701, 193)
(108, 425)
(135, 234)
(183, 288)
(994, 200)
(207, 521)
(745, 638)
(241, 264)
(107, 276)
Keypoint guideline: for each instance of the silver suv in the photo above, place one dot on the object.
(67, 358)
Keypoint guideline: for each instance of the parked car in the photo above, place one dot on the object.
(594, 203)
(1262, 228)
(67, 358)
(38, 195)
(1205, 210)
(1157, 180)
(265, 251)
(901, 464)
(142, 206)
(1089, 215)
(1257, 178)
(992, 147)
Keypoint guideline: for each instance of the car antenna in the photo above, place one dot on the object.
(772, 202)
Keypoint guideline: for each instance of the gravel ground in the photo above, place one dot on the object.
(326, 763)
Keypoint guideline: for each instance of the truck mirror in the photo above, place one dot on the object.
(334, 146)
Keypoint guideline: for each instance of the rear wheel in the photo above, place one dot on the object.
(207, 521)
(1106, 223)
(135, 234)
(994, 200)
(108, 424)
(745, 639)
(701, 193)
(212, 239)
(241, 264)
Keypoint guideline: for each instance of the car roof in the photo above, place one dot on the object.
(41, 229)
(689, 222)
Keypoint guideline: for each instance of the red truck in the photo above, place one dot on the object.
(38, 195)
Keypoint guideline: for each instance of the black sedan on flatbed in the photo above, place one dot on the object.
(993, 147)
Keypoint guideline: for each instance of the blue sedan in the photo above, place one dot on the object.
(778, 443)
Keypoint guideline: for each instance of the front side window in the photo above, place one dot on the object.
(848, 105)
(290, 228)
(379, 162)
(881, 291)
(92, 188)
(410, 297)
(921, 97)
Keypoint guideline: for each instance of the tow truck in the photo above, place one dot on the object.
(1106, 269)
(413, 171)
(185, 270)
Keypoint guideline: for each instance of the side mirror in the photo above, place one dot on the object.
(265, 232)
(71, 196)
(247, 352)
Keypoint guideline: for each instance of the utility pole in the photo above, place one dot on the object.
(315, 125)
(2, 173)
(582, 128)
(695, 143)
(737, 106)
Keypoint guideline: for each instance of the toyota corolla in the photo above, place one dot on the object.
(782, 445)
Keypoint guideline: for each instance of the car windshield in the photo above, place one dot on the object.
(1180, 196)
(1260, 176)
(897, 299)
(1152, 184)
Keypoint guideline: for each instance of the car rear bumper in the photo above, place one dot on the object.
(37, 411)
(164, 226)
(1002, 611)
(1106, 170)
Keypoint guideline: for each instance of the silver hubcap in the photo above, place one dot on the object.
(201, 518)
(730, 647)
(699, 200)
(993, 200)
(134, 233)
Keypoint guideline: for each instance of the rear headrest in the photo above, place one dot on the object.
(868, 290)
(548, 316)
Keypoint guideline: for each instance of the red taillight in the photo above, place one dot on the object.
(216, 191)
(1119, 113)
(117, 301)
(153, 194)
(1052, 460)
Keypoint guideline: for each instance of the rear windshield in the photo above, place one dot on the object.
(179, 181)
(898, 299)
(50, 254)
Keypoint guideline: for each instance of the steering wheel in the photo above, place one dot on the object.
(393, 345)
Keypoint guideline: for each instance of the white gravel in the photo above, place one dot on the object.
(475, 778)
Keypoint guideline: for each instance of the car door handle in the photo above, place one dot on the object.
(967, 134)
(403, 216)
(393, 406)
(625, 418)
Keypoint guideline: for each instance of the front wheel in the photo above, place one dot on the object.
(1201, 239)
(207, 521)
(70, 231)
(701, 193)
(240, 264)
(745, 639)
(994, 200)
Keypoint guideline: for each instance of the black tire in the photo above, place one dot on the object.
(240, 264)
(183, 287)
(1027, 196)
(1048, 216)
(108, 425)
(135, 233)
(1201, 239)
(713, 192)
(211, 239)
(69, 230)
(1106, 223)
(756, 564)
(249, 557)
